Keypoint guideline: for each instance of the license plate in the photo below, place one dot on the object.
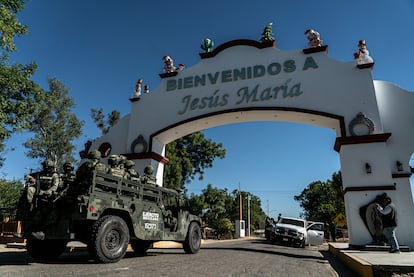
(285, 239)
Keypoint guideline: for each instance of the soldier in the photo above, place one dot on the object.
(47, 182)
(148, 178)
(30, 189)
(25, 204)
(85, 171)
(67, 177)
(130, 172)
(48, 179)
(115, 166)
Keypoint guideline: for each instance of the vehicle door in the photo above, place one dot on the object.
(315, 233)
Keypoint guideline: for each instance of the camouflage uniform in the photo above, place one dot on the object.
(116, 166)
(131, 173)
(48, 179)
(25, 204)
(148, 178)
(67, 177)
(47, 183)
(84, 173)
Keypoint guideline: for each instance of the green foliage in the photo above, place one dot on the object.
(54, 126)
(104, 124)
(18, 93)
(322, 201)
(9, 24)
(10, 192)
(220, 209)
(188, 157)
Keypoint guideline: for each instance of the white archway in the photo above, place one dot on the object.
(246, 80)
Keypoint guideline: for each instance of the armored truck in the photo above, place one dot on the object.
(110, 215)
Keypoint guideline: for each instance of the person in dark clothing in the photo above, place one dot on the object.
(389, 222)
(332, 230)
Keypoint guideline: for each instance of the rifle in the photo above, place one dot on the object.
(61, 194)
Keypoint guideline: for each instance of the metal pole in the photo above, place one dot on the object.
(240, 205)
(268, 211)
(248, 214)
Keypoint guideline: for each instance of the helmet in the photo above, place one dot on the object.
(129, 163)
(94, 154)
(113, 160)
(47, 163)
(68, 165)
(149, 170)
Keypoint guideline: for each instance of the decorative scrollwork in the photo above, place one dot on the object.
(141, 142)
(359, 121)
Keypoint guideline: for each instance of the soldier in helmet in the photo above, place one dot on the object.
(130, 172)
(48, 179)
(116, 166)
(47, 182)
(148, 178)
(85, 172)
(68, 177)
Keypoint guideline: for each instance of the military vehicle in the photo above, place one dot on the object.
(112, 213)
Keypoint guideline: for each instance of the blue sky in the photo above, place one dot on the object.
(99, 48)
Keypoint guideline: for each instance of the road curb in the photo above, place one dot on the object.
(359, 266)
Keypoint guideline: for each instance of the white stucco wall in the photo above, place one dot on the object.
(320, 91)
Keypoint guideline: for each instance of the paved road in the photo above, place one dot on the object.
(249, 257)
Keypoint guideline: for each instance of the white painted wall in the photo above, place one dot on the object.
(333, 87)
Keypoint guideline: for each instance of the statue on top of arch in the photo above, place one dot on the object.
(267, 35)
(362, 56)
(314, 38)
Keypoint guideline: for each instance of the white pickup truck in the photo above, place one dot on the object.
(297, 231)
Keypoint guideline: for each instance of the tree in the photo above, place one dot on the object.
(257, 215)
(10, 192)
(188, 157)
(220, 209)
(9, 25)
(104, 124)
(214, 212)
(18, 93)
(322, 201)
(54, 126)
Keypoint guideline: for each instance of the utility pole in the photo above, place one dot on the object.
(248, 214)
(268, 211)
(240, 205)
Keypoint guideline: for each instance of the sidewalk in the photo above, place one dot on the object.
(374, 261)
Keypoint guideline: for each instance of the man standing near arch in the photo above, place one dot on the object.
(389, 223)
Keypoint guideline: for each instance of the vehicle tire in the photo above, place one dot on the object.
(109, 239)
(302, 243)
(192, 242)
(140, 247)
(45, 249)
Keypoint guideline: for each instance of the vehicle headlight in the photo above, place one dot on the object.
(279, 230)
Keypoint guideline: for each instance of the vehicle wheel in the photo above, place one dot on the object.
(302, 244)
(192, 242)
(45, 249)
(140, 247)
(109, 239)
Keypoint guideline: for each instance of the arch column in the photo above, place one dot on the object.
(365, 174)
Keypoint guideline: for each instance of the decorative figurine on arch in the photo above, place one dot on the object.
(207, 45)
(362, 57)
(137, 91)
(136, 94)
(168, 64)
(169, 68)
(314, 38)
(267, 35)
(314, 42)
